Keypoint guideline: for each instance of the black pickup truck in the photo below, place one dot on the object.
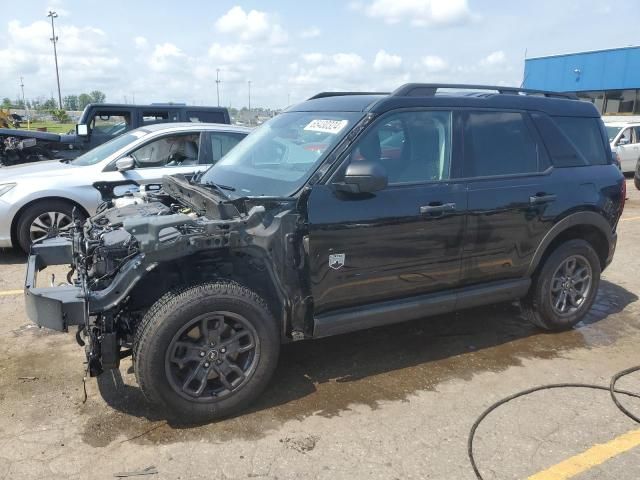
(98, 123)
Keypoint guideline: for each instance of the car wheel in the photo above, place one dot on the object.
(636, 181)
(207, 351)
(565, 287)
(43, 220)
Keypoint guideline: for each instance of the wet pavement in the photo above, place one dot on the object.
(391, 402)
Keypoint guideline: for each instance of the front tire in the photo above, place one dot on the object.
(45, 219)
(565, 288)
(207, 351)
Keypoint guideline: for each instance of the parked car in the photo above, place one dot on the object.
(624, 138)
(344, 212)
(37, 200)
(99, 123)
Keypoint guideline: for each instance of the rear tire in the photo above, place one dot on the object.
(636, 181)
(185, 356)
(565, 288)
(53, 213)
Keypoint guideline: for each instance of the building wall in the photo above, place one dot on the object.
(615, 69)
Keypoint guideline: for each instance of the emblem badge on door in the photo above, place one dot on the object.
(336, 260)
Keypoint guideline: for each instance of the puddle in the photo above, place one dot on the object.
(325, 377)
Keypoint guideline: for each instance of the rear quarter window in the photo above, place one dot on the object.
(584, 137)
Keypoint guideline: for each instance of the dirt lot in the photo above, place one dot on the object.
(394, 402)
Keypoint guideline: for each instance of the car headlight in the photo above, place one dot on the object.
(5, 187)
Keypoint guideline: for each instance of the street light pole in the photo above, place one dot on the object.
(54, 39)
(24, 103)
(249, 84)
(218, 84)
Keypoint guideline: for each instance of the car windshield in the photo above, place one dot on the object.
(101, 152)
(612, 132)
(277, 158)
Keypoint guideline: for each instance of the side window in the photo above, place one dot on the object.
(222, 143)
(205, 117)
(170, 151)
(412, 146)
(159, 116)
(501, 143)
(585, 136)
(110, 123)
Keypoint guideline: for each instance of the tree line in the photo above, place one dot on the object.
(69, 102)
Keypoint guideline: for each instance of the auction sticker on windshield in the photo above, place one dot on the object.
(326, 126)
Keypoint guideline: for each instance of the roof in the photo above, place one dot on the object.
(156, 127)
(620, 124)
(604, 50)
(155, 105)
(428, 95)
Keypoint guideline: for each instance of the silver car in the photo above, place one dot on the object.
(37, 200)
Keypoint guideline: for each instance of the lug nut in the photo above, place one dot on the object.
(206, 365)
(223, 350)
(202, 354)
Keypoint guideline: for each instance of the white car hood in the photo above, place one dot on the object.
(47, 169)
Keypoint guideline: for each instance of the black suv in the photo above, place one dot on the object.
(345, 212)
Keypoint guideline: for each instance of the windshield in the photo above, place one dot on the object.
(612, 132)
(101, 152)
(277, 158)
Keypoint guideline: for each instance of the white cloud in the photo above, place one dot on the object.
(86, 58)
(493, 59)
(233, 53)
(311, 32)
(385, 61)
(252, 26)
(328, 71)
(141, 42)
(418, 12)
(434, 64)
(166, 57)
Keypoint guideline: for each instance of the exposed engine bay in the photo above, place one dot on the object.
(126, 257)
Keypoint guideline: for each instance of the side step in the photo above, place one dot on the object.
(395, 311)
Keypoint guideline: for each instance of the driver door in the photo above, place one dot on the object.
(402, 241)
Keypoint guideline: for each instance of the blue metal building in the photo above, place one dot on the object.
(608, 78)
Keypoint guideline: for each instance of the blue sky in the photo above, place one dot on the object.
(170, 51)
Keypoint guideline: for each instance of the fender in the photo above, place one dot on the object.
(579, 218)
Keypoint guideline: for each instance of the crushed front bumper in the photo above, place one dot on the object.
(53, 307)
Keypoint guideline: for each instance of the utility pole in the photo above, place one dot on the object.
(218, 84)
(25, 103)
(249, 84)
(54, 39)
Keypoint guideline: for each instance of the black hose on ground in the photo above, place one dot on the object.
(611, 389)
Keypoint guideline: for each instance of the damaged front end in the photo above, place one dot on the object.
(124, 259)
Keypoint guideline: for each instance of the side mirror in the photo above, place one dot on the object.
(125, 163)
(82, 130)
(623, 141)
(363, 176)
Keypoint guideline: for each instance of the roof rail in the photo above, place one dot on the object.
(430, 89)
(343, 94)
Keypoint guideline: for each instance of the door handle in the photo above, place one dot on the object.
(541, 198)
(436, 207)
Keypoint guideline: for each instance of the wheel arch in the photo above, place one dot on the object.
(21, 210)
(588, 226)
(248, 267)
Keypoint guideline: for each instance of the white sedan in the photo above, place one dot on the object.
(37, 200)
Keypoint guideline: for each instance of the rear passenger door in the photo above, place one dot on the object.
(510, 194)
